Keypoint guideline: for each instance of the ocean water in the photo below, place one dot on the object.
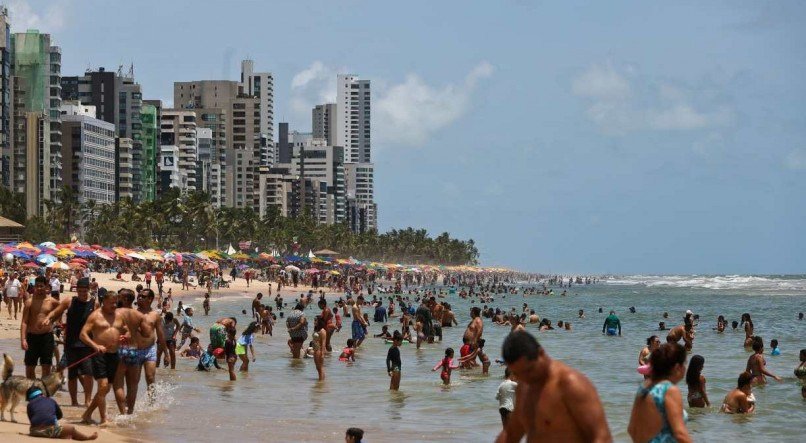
(281, 400)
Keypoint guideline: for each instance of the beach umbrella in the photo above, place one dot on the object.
(292, 268)
(8, 257)
(48, 245)
(59, 266)
(312, 271)
(30, 265)
(335, 272)
(135, 255)
(64, 253)
(209, 266)
(275, 266)
(46, 259)
(97, 247)
(80, 261)
(242, 266)
(75, 266)
(102, 255)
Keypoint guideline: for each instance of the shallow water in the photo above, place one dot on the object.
(280, 399)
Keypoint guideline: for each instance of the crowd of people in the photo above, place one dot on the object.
(110, 339)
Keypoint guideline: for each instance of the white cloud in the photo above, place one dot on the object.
(601, 82)
(310, 87)
(796, 159)
(406, 113)
(410, 112)
(620, 102)
(47, 20)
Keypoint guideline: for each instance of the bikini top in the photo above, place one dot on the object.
(658, 393)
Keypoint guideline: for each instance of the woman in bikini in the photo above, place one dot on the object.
(697, 397)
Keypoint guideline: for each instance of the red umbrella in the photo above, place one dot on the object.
(80, 261)
(30, 265)
(97, 247)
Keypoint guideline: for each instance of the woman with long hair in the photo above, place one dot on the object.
(747, 323)
(657, 413)
(319, 345)
(697, 397)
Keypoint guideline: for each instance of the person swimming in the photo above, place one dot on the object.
(348, 353)
(740, 400)
(774, 347)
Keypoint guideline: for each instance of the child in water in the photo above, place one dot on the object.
(194, 350)
(447, 366)
(207, 360)
(774, 347)
(230, 354)
(348, 353)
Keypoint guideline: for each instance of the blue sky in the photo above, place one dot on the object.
(613, 137)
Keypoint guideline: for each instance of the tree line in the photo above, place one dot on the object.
(190, 221)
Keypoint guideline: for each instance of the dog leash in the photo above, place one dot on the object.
(85, 358)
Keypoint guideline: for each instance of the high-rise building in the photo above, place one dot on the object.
(178, 129)
(88, 154)
(261, 85)
(36, 70)
(204, 150)
(323, 118)
(230, 114)
(118, 99)
(123, 169)
(6, 107)
(323, 167)
(150, 135)
(362, 212)
(353, 118)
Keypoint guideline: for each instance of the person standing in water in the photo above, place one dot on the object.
(506, 396)
(800, 371)
(757, 365)
(740, 400)
(548, 388)
(657, 412)
(447, 366)
(393, 362)
(697, 397)
(246, 343)
(319, 345)
(359, 324)
(747, 323)
(611, 323)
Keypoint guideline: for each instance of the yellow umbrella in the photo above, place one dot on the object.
(60, 266)
(63, 253)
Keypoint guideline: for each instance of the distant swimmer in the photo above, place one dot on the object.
(747, 323)
(548, 388)
(611, 323)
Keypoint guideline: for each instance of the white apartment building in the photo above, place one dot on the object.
(88, 154)
(178, 129)
(261, 85)
(353, 118)
(123, 168)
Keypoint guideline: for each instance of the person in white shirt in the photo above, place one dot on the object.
(13, 286)
(506, 396)
(55, 286)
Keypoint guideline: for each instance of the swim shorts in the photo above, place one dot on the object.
(52, 431)
(84, 368)
(40, 349)
(136, 357)
(105, 365)
(358, 330)
(611, 331)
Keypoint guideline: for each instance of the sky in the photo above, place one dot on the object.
(573, 137)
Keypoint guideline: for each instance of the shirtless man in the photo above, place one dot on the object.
(473, 333)
(102, 332)
(36, 336)
(553, 402)
(448, 318)
(757, 365)
(147, 339)
(437, 314)
(686, 332)
(739, 400)
(256, 306)
(358, 322)
(78, 309)
(533, 318)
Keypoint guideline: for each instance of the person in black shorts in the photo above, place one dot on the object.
(36, 335)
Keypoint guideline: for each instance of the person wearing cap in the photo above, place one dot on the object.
(44, 415)
(78, 308)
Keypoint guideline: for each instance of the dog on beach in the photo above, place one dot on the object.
(14, 387)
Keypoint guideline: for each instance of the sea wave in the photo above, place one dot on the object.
(715, 282)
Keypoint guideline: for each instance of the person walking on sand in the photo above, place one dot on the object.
(36, 336)
(78, 308)
(548, 388)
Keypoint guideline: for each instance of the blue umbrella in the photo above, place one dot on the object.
(46, 259)
(20, 254)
